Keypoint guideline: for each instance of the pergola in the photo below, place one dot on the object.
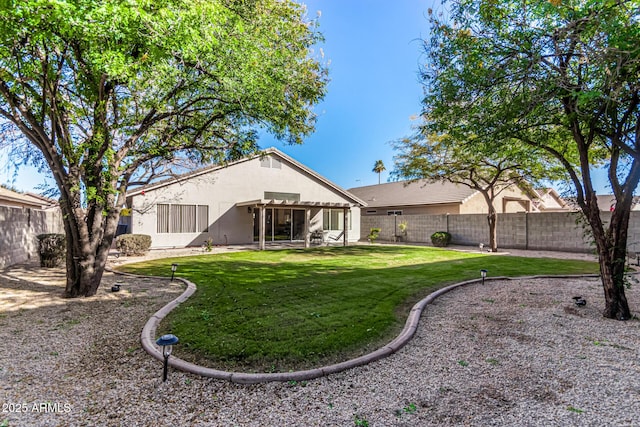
(262, 204)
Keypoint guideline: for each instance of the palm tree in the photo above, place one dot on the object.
(378, 168)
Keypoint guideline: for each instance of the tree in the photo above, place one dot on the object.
(474, 165)
(104, 93)
(561, 76)
(378, 168)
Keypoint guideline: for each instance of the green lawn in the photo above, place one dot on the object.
(278, 310)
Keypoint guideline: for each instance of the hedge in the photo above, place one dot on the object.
(133, 244)
(52, 249)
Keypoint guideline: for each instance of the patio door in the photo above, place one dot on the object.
(280, 225)
(297, 226)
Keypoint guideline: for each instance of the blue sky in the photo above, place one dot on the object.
(374, 51)
(374, 48)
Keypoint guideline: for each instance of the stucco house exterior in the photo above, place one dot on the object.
(548, 200)
(263, 198)
(25, 200)
(435, 198)
(607, 202)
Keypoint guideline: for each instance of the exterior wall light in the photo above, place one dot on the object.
(174, 267)
(166, 342)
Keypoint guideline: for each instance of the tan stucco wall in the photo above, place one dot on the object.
(477, 204)
(415, 210)
(221, 190)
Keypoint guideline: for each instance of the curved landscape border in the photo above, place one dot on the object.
(411, 325)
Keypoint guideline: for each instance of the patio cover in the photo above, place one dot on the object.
(263, 204)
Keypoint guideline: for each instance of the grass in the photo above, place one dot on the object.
(268, 311)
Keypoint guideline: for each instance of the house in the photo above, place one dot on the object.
(25, 200)
(607, 202)
(548, 200)
(263, 198)
(442, 197)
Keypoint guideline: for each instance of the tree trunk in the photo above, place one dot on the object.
(492, 218)
(612, 248)
(615, 300)
(86, 252)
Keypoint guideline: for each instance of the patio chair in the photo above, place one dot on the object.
(338, 237)
(317, 237)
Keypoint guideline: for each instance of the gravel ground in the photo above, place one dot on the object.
(507, 353)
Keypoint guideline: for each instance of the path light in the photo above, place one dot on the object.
(580, 301)
(166, 342)
(116, 287)
(174, 267)
(483, 274)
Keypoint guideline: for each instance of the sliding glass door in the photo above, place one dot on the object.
(280, 224)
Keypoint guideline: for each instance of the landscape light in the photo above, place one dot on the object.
(174, 267)
(166, 342)
(483, 274)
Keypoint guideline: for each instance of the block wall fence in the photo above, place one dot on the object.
(18, 230)
(556, 231)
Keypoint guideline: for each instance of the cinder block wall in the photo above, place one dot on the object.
(559, 231)
(18, 230)
(419, 226)
(469, 229)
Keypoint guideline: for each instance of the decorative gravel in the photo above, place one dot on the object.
(509, 353)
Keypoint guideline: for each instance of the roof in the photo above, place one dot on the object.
(292, 203)
(407, 193)
(545, 197)
(268, 151)
(13, 198)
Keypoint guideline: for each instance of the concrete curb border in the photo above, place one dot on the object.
(147, 338)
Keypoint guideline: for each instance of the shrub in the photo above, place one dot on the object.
(440, 238)
(403, 227)
(374, 233)
(133, 244)
(52, 249)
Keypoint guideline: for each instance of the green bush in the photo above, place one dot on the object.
(133, 244)
(440, 238)
(374, 233)
(52, 249)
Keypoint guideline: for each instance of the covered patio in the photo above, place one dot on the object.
(299, 222)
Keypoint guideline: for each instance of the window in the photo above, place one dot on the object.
(295, 197)
(394, 213)
(203, 218)
(333, 219)
(163, 219)
(270, 162)
(372, 212)
(182, 218)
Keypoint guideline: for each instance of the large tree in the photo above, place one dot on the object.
(560, 75)
(473, 164)
(100, 92)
